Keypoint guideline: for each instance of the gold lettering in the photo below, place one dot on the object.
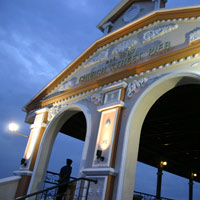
(167, 45)
(151, 51)
(161, 46)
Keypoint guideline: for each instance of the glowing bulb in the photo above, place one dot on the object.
(13, 127)
(194, 174)
(104, 144)
(163, 163)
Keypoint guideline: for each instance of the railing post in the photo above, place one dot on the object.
(87, 190)
(45, 196)
(159, 182)
(190, 189)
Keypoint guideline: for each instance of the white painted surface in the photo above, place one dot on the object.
(134, 124)
(8, 187)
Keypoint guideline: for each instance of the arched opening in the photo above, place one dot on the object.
(171, 133)
(68, 143)
(133, 128)
(73, 121)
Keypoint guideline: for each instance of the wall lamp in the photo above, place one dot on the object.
(99, 157)
(23, 162)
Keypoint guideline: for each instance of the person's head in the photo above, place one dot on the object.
(69, 161)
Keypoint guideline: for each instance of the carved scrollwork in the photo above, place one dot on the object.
(124, 46)
(96, 99)
(100, 57)
(135, 86)
(53, 111)
(152, 34)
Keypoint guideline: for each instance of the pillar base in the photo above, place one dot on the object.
(23, 184)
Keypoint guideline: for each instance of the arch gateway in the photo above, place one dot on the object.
(124, 85)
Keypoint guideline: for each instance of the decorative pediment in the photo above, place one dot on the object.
(126, 52)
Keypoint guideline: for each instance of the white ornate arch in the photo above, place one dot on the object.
(134, 124)
(48, 140)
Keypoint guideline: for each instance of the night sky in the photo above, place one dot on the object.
(38, 39)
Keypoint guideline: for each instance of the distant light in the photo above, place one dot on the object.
(194, 174)
(13, 127)
(163, 163)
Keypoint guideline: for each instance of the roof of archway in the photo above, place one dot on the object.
(170, 132)
(174, 54)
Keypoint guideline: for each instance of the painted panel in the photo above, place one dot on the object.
(106, 135)
(96, 191)
(135, 48)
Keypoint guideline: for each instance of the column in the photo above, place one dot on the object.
(192, 176)
(159, 182)
(31, 151)
(159, 178)
(191, 188)
(103, 165)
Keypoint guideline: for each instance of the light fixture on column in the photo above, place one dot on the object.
(194, 174)
(23, 162)
(163, 163)
(13, 128)
(99, 157)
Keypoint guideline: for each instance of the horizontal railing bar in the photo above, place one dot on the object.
(54, 173)
(53, 187)
(51, 182)
(50, 172)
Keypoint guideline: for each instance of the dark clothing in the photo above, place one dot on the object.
(64, 176)
(65, 173)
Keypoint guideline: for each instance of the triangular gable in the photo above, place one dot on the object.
(136, 37)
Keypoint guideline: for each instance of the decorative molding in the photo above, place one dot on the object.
(112, 96)
(93, 59)
(131, 13)
(115, 85)
(124, 46)
(53, 111)
(157, 32)
(100, 171)
(180, 15)
(194, 36)
(96, 98)
(111, 105)
(45, 109)
(195, 64)
(106, 27)
(23, 173)
(135, 86)
(176, 60)
(100, 57)
(38, 125)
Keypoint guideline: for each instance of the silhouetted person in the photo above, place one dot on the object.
(64, 177)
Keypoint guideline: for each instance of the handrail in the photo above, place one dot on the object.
(53, 187)
(54, 173)
(50, 178)
(150, 195)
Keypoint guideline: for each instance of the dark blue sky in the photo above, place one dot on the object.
(38, 39)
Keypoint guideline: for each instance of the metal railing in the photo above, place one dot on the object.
(72, 192)
(52, 178)
(145, 196)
